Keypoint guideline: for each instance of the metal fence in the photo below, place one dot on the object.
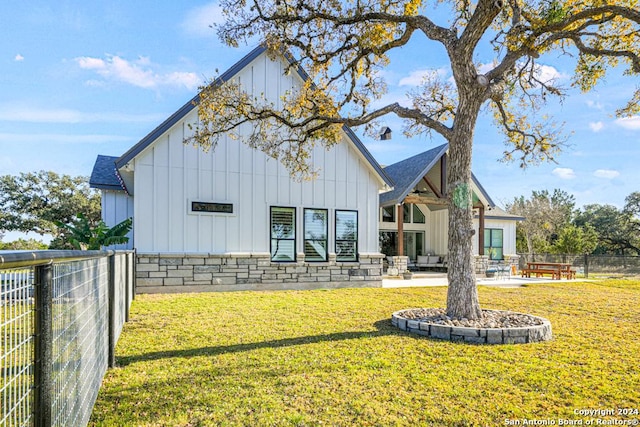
(61, 315)
(590, 264)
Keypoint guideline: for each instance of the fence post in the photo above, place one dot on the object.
(43, 345)
(586, 266)
(111, 356)
(135, 272)
(127, 284)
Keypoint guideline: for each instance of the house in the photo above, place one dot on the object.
(414, 216)
(233, 218)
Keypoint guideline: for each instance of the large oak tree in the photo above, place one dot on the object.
(36, 201)
(344, 44)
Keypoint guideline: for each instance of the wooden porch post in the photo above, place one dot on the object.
(400, 219)
(481, 230)
(443, 174)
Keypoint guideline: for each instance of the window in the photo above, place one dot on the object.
(493, 243)
(346, 235)
(413, 243)
(389, 214)
(406, 213)
(411, 213)
(315, 234)
(418, 216)
(283, 234)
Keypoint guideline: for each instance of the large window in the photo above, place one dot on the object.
(418, 216)
(413, 243)
(283, 234)
(315, 234)
(389, 213)
(493, 243)
(346, 235)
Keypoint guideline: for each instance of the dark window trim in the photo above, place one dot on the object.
(413, 214)
(295, 233)
(488, 248)
(335, 233)
(393, 213)
(326, 232)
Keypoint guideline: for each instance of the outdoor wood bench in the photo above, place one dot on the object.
(527, 272)
(569, 274)
(557, 270)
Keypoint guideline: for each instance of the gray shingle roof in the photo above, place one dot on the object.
(104, 175)
(407, 173)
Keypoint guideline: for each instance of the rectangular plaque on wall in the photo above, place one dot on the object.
(212, 207)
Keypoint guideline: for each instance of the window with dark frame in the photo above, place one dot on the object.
(406, 213)
(315, 234)
(493, 243)
(418, 216)
(283, 234)
(389, 213)
(346, 235)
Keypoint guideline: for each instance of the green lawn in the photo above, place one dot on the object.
(332, 358)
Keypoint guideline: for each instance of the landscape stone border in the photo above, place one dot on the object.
(519, 335)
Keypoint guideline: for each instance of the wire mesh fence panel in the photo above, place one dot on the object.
(80, 325)
(17, 357)
(603, 264)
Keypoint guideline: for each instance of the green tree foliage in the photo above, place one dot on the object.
(576, 240)
(36, 201)
(23, 245)
(553, 226)
(618, 229)
(84, 235)
(345, 45)
(546, 215)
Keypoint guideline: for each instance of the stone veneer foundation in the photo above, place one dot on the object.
(251, 271)
(520, 335)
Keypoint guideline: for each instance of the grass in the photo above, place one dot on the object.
(331, 357)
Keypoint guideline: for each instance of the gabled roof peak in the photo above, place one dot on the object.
(228, 75)
(407, 174)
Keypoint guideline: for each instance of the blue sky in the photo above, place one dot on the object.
(78, 79)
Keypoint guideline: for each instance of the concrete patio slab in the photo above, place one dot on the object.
(424, 280)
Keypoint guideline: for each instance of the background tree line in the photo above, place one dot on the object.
(60, 206)
(554, 225)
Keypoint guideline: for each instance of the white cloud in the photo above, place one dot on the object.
(606, 173)
(139, 73)
(632, 123)
(12, 113)
(18, 58)
(55, 138)
(596, 126)
(417, 77)
(198, 21)
(564, 173)
(549, 74)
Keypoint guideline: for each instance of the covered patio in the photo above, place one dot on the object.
(414, 216)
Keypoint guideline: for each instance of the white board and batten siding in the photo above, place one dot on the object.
(117, 206)
(169, 175)
(438, 237)
(436, 234)
(508, 228)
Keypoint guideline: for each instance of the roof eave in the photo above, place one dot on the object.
(185, 109)
(483, 192)
(227, 75)
(367, 155)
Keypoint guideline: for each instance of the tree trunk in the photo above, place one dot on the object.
(462, 295)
